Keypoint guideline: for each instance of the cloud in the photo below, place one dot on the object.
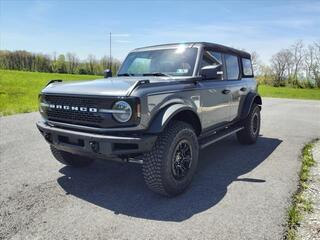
(292, 23)
(120, 35)
(264, 37)
(122, 41)
(39, 9)
(313, 7)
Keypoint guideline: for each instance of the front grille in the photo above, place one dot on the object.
(74, 116)
(79, 117)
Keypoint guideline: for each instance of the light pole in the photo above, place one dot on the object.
(110, 60)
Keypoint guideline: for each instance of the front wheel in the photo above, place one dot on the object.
(169, 168)
(249, 134)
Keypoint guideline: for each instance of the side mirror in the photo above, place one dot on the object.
(107, 73)
(212, 72)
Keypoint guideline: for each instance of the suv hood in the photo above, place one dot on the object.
(115, 86)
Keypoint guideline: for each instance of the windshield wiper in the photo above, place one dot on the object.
(156, 74)
(125, 74)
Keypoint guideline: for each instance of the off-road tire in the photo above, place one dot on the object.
(251, 124)
(70, 159)
(157, 164)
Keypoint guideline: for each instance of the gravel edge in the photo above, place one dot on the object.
(309, 227)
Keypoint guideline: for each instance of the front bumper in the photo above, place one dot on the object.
(95, 144)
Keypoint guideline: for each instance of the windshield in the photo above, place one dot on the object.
(171, 62)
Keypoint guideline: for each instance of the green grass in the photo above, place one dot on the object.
(19, 90)
(299, 203)
(288, 92)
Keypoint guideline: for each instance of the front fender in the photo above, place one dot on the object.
(162, 118)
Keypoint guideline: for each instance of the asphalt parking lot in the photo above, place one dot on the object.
(239, 192)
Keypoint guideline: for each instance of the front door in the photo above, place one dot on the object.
(215, 96)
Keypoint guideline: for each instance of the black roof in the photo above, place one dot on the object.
(215, 46)
(226, 49)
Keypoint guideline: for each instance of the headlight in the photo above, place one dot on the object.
(42, 105)
(122, 111)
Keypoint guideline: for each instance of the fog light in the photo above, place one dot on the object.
(94, 146)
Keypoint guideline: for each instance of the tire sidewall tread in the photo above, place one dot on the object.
(157, 163)
(246, 135)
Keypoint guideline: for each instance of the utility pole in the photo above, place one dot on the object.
(110, 60)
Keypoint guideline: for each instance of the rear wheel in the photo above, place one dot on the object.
(169, 168)
(251, 124)
(70, 159)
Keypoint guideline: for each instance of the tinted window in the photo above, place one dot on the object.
(217, 56)
(232, 66)
(139, 66)
(247, 67)
(211, 58)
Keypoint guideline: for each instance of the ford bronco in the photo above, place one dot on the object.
(165, 104)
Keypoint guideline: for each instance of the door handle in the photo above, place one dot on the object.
(243, 89)
(226, 91)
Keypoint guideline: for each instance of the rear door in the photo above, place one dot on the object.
(215, 99)
(234, 84)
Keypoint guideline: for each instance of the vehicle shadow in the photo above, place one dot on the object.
(121, 189)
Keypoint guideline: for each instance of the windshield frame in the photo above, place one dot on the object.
(167, 47)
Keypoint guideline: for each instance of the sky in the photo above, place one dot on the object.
(82, 27)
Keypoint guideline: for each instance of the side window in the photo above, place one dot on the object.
(247, 67)
(232, 66)
(217, 56)
(211, 58)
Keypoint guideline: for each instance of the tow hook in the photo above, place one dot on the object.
(94, 146)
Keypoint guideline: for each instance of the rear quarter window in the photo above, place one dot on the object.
(232, 67)
(247, 67)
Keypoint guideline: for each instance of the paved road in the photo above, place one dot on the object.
(239, 192)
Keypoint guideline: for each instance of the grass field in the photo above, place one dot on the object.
(287, 92)
(19, 90)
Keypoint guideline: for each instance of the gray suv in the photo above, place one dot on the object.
(165, 104)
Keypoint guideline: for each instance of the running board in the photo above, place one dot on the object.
(218, 136)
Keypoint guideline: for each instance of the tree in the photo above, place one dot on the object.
(105, 63)
(72, 62)
(54, 63)
(280, 64)
(316, 64)
(297, 55)
(61, 64)
(266, 75)
(255, 60)
(69, 63)
(91, 64)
